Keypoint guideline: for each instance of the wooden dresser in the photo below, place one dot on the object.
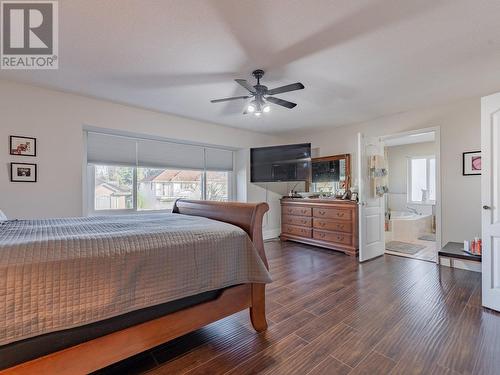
(322, 222)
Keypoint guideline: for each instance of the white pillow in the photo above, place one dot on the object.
(2, 216)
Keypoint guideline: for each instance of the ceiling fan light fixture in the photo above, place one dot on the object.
(262, 96)
(252, 107)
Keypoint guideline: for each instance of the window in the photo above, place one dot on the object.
(157, 189)
(126, 174)
(117, 188)
(422, 180)
(113, 188)
(217, 186)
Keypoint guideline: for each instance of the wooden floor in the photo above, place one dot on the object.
(330, 315)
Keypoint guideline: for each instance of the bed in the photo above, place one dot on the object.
(79, 294)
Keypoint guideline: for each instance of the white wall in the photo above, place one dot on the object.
(460, 131)
(57, 119)
(397, 163)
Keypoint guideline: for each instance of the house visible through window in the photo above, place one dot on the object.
(132, 188)
(422, 180)
(157, 189)
(113, 188)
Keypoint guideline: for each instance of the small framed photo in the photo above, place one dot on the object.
(471, 163)
(22, 146)
(354, 196)
(23, 172)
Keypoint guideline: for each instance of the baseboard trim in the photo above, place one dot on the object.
(271, 233)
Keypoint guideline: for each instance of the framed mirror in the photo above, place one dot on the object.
(331, 174)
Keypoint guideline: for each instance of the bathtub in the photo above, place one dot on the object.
(407, 226)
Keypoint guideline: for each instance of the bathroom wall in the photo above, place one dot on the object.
(397, 162)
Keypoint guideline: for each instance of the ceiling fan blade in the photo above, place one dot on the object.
(292, 87)
(228, 99)
(281, 102)
(245, 84)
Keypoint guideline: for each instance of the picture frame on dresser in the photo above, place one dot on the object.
(22, 146)
(23, 172)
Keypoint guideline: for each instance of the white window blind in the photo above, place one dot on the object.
(121, 150)
(218, 159)
(159, 154)
(110, 149)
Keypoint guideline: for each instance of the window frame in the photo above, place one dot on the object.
(409, 182)
(90, 171)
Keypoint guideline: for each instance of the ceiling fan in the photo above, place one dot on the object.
(262, 95)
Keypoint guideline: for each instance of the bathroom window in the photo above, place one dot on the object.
(422, 180)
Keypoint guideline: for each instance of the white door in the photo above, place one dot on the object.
(371, 207)
(490, 194)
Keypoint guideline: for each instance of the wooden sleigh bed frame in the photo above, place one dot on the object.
(105, 350)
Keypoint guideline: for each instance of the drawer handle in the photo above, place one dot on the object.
(322, 235)
(339, 226)
(340, 238)
(322, 212)
(304, 211)
(304, 221)
(340, 214)
(321, 223)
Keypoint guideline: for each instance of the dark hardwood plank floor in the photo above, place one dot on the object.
(330, 315)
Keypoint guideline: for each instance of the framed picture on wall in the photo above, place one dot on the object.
(23, 172)
(22, 146)
(471, 163)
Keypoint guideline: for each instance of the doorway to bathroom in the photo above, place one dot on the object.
(412, 201)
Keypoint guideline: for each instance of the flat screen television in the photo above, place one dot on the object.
(280, 163)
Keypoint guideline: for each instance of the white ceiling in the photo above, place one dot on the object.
(359, 59)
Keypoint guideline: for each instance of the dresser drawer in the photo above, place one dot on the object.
(297, 211)
(297, 220)
(297, 231)
(340, 238)
(336, 226)
(333, 213)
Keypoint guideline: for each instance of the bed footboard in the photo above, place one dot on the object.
(247, 216)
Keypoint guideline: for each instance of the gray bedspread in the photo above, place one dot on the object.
(61, 273)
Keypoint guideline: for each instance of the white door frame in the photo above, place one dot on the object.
(439, 194)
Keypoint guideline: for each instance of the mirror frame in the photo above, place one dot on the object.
(347, 158)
